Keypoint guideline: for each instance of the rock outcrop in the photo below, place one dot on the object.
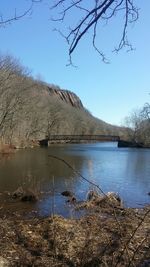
(67, 96)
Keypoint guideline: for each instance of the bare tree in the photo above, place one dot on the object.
(133, 125)
(89, 16)
(138, 125)
(145, 113)
(12, 90)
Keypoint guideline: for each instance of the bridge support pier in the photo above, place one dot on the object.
(43, 143)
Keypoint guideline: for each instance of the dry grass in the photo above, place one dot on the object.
(6, 148)
(108, 236)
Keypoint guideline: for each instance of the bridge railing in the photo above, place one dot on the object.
(84, 137)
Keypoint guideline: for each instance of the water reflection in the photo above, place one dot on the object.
(126, 171)
(138, 166)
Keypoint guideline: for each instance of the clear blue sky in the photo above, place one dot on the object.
(109, 91)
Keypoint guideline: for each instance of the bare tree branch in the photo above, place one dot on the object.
(17, 16)
(91, 15)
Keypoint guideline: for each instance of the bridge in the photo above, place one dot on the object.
(77, 139)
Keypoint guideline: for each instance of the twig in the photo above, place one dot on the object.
(133, 234)
(78, 173)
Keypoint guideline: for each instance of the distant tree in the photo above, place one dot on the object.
(12, 88)
(53, 116)
(133, 125)
(145, 113)
(87, 15)
(138, 125)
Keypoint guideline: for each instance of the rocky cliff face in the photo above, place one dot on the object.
(67, 96)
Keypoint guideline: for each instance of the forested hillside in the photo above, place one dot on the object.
(31, 110)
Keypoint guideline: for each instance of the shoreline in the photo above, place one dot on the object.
(108, 235)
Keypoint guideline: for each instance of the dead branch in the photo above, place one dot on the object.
(132, 236)
(90, 16)
(5, 21)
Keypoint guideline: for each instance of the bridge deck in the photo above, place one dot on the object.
(83, 137)
(77, 138)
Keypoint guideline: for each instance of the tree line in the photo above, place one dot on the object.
(138, 125)
(29, 112)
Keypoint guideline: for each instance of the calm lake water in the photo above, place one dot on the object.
(122, 170)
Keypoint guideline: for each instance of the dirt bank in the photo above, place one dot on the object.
(109, 235)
